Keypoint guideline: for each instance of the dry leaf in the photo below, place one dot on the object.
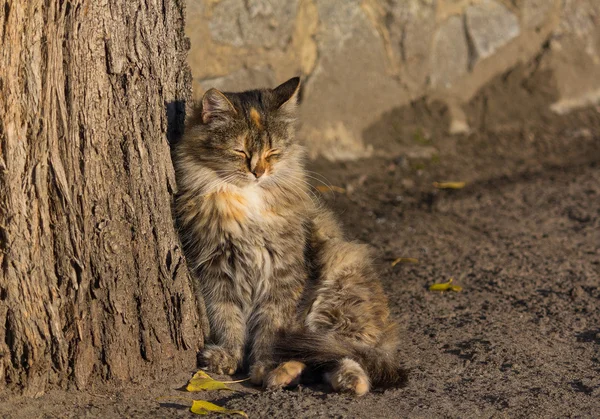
(202, 407)
(201, 381)
(330, 188)
(446, 286)
(404, 260)
(449, 185)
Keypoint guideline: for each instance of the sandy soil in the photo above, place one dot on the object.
(522, 238)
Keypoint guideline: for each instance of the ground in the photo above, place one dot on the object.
(522, 339)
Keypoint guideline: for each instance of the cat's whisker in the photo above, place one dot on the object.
(303, 184)
(302, 190)
(328, 186)
(308, 184)
(283, 191)
(315, 197)
(322, 179)
(216, 184)
(294, 189)
(318, 174)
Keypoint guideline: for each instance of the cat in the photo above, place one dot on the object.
(285, 293)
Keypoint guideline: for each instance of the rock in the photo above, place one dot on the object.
(575, 55)
(246, 78)
(257, 23)
(490, 25)
(336, 142)
(579, 17)
(343, 22)
(450, 55)
(349, 81)
(535, 12)
(564, 106)
(414, 24)
(223, 24)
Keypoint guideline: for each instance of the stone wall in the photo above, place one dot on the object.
(360, 58)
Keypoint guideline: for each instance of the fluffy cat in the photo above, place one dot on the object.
(285, 292)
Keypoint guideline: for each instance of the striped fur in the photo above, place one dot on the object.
(272, 264)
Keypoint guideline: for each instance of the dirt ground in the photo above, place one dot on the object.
(522, 339)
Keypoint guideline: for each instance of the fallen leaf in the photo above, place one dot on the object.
(446, 286)
(330, 188)
(202, 407)
(201, 381)
(449, 185)
(404, 260)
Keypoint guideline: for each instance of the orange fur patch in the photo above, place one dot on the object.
(255, 117)
(286, 374)
(230, 205)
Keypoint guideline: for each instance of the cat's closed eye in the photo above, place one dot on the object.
(240, 152)
(272, 153)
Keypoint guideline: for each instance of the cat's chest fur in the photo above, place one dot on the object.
(250, 235)
(242, 215)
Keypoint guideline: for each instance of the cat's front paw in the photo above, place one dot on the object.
(219, 360)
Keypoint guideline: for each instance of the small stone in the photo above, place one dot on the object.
(459, 127)
(490, 26)
(422, 152)
(579, 214)
(577, 292)
(583, 133)
(408, 183)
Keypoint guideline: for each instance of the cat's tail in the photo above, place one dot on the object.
(326, 350)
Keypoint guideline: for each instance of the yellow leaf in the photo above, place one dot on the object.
(446, 286)
(201, 381)
(202, 407)
(404, 260)
(449, 185)
(330, 188)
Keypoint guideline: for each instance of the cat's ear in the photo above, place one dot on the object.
(286, 95)
(215, 106)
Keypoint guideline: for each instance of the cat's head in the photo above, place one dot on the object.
(246, 138)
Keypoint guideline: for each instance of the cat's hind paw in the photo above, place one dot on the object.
(287, 374)
(259, 371)
(218, 360)
(349, 377)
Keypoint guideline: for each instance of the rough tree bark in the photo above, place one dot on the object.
(93, 284)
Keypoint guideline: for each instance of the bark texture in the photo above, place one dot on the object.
(93, 283)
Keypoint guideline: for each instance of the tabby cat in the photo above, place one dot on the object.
(285, 293)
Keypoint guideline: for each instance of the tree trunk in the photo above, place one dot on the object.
(93, 283)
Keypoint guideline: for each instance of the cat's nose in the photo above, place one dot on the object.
(258, 171)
